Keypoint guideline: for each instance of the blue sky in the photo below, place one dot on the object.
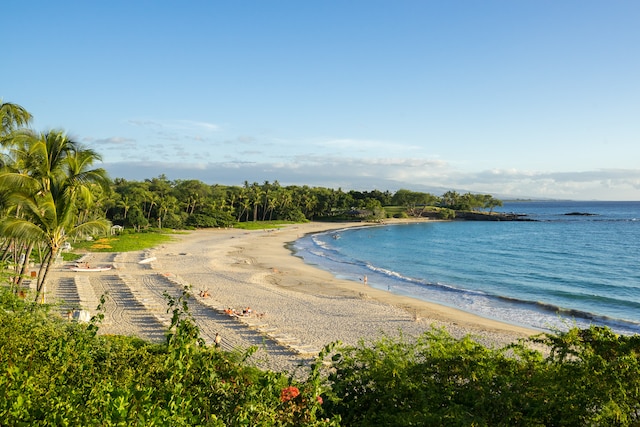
(513, 98)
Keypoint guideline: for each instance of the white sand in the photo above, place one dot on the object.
(304, 308)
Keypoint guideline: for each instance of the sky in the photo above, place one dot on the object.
(527, 98)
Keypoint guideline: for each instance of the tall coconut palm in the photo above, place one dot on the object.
(12, 116)
(125, 204)
(255, 193)
(12, 138)
(55, 177)
(50, 219)
(12, 119)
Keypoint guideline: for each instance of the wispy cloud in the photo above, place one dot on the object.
(325, 163)
(110, 141)
(364, 146)
(174, 124)
(190, 124)
(242, 139)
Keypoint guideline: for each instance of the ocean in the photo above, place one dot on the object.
(552, 273)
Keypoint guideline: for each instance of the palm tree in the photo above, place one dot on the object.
(51, 221)
(125, 204)
(55, 177)
(14, 159)
(243, 203)
(165, 204)
(12, 117)
(255, 194)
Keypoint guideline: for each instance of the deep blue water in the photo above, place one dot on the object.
(552, 273)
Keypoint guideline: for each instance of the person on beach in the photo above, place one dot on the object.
(217, 340)
(365, 279)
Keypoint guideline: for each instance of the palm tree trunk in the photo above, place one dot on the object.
(266, 205)
(42, 274)
(6, 251)
(25, 264)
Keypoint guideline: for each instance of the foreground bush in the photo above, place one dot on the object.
(53, 372)
(589, 378)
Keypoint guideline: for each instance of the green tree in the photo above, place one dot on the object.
(255, 196)
(191, 193)
(377, 211)
(491, 202)
(451, 200)
(56, 177)
(137, 219)
(414, 202)
(12, 117)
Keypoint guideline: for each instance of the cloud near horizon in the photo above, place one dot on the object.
(338, 163)
(433, 176)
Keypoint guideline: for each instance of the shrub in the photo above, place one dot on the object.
(591, 377)
(54, 372)
(445, 213)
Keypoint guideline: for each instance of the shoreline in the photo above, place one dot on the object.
(291, 272)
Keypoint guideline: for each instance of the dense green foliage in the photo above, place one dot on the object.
(590, 377)
(55, 372)
(161, 202)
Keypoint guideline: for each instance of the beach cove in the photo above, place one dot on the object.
(296, 307)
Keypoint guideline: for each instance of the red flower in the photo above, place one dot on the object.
(319, 399)
(289, 393)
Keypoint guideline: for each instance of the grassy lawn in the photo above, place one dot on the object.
(261, 225)
(128, 242)
(124, 243)
(395, 210)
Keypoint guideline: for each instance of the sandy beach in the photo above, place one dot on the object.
(296, 308)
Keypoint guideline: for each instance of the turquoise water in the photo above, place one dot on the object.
(552, 273)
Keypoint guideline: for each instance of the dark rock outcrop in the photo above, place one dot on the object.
(490, 216)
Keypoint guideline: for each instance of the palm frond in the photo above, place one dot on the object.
(12, 116)
(18, 182)
(22, 229)
(90, 228)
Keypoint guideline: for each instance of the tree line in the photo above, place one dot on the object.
(160, 202)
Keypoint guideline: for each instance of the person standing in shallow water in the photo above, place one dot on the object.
(217, 340)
